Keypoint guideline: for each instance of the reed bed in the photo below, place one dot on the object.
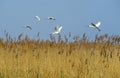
(60, 58)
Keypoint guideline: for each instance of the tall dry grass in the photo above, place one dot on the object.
(60, 58)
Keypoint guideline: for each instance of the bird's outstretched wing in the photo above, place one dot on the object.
(38, 18)
(98, 24)
(95, 25)
(59, 29)
(98, 29)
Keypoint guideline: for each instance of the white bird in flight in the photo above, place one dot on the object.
(97, 25)
(27, 26)
(51, 18)
(57, 30)
(38, 18)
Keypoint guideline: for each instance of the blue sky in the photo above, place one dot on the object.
(73, 15)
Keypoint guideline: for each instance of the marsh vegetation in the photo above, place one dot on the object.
(60, 58)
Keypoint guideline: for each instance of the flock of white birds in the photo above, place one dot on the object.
(57, 29)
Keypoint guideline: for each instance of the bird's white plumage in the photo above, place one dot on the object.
(38, 18)
(57, 30)
(97, 25)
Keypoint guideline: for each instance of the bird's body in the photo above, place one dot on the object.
(27, 26)
(51, 18)
(57, 30)
(95, 25)
(38, 18)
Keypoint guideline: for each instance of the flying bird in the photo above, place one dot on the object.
(57, 30)
(97, 25)
(27, 26)
(38, 18)
(51, 18)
